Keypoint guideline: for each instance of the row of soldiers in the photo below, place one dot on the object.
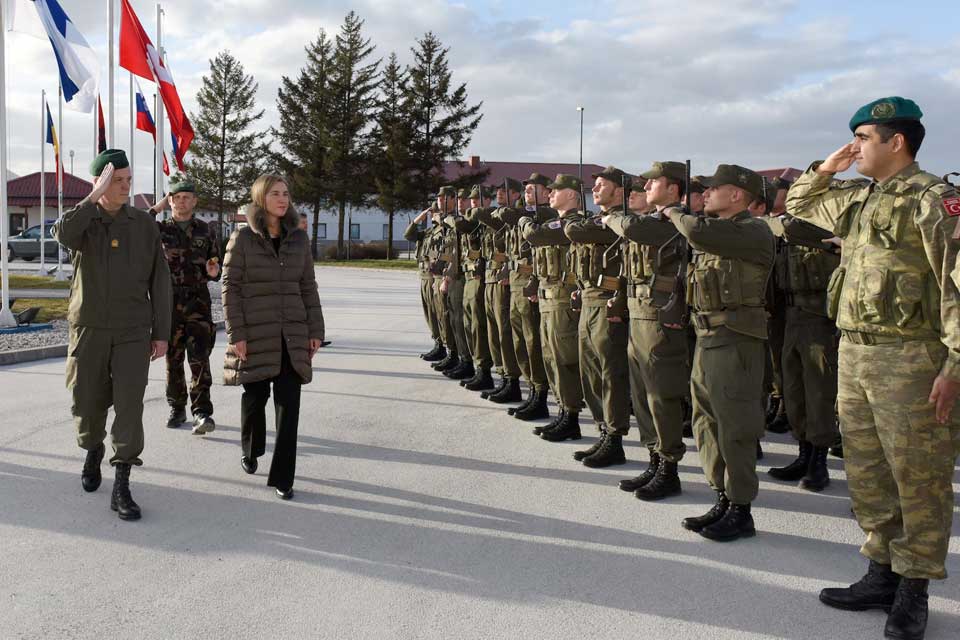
(688, 291)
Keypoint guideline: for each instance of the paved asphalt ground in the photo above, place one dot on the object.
(421, 512)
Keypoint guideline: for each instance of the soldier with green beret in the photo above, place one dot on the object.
(443, 256)
(896, 301)
(474, 315)
(558, 319)
(119, 317)
(602, 329)
(191, 252)
(726, 289)
(454, 282)
(423, 239)
(654, 254)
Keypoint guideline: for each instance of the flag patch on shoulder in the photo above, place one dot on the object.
(556, 224)
(952, 206)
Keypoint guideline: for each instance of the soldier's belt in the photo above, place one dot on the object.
(569, 279)
(805, 298)
(500, 257)
(473, 255)
(446, 257)
(871, 339)
(708, 320)
(524, 269)
(608, 283)
(555, 294)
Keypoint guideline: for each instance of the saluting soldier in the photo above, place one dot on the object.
(423, 237)
(119, 317)
(191, 252)
(440, 259)
(726, 287)
(896, 302)
(474, 314)
(453, 285)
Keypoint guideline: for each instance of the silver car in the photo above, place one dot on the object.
(26, 245)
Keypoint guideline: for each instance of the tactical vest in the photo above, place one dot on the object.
(492, 247)
(652, 280)
(471, 252)
(597, 269)
(727, 292)
(884, 284)
(802, 273)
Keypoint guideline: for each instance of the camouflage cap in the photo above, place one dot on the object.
(697, 185)
(749, 181)
(448, 191)
(671, 170)
(536, 178)
(565, 181)
(782, 183)
(614, 175)
(116, 157)
(512, 183)
(886, 110)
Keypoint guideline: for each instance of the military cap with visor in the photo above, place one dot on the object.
(697, 185)
(565, 181)
(536, 178)
(884, 110)
(463, 194)
(614, 175)
(512, 183)
(479, 190)
(749, 181)
(116, 157)
(671, 170)
(447, 190)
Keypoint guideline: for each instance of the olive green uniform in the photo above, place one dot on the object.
(474, 315)
(496, 298)
(896, 302)
(658, 357)
(558, 320)
(120, 300)
(414, 233)
(604, 372)
(726, 286)
(453, 300)
(439, 259)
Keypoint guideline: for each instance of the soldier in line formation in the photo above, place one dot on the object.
(831, 297)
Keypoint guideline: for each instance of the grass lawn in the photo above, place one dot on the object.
(370, 264)
(37, 282)
(50, 308)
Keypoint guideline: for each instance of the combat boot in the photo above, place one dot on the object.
(202, 424)
(453, 364)
(90, 477)
(178, 415)
(633, 484)
(451, 356)
(510, 393)
(536, 409)
(609, 453)
(817, 476)
(437, 353)
(121, 501)
(665, 483)
(567, 429)
(908, 617)
(526, 403)
(876, 590)
(481, 381)
(780, 424)
(586, 453)
(552, 424)
(497, 389)
(463, 372)
(796, 469)
(772, 409)
(698, 523)
(735, 523)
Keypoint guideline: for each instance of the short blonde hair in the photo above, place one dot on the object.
(261, 187)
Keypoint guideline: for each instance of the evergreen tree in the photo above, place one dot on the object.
(227, 155)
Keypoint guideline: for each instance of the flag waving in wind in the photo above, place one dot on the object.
(52, 139)
(145, 123)
(141, 58)
(79, 69)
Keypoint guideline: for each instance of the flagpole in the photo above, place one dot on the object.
(6, 315)
(158, 193)
(43, 179)
(110, 65)
(155, 173)
(133, 111)
(60, 275)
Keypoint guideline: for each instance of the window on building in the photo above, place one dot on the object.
(322, 231)
(386, 232)
(354, 231)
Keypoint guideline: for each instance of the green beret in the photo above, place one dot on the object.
(116, 157)
(513, 184)
(614, 175)
(672, 170)
(448, 191)
(182, 185)
(749, 181)
(565, 181)
(885, 110)
(536, 178)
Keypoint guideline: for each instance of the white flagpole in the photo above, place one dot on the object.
(158, 116)
(43, 179)
(133, 115)
(110, 65)
(6, 315)
(60, 275)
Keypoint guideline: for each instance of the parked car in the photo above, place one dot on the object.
(26, 245)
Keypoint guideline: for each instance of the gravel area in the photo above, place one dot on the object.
(59, 333)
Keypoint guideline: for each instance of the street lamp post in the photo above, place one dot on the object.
(71, 161)
(580, 109)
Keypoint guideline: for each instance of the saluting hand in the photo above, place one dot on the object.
(102, 183)
(158, 349)
(161, 205)
(943, 396)
(839, 161)
(213, 267)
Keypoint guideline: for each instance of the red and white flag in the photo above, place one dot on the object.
(140, 57)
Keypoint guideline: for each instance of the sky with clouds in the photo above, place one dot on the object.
(762, 83)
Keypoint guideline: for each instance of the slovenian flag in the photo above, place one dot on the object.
(145, 123)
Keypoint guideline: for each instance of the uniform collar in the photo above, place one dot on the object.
(896, 181)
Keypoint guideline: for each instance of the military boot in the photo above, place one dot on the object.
(772, 409)
(817, 476)
(609, 453)
(178, 415)
(90, 477)
(481, 381)
(463, 372)
(451, 356)
(536, 409)
(796, 469)
(497, 389)
(586, 453)
(526, 403)
(121, 501)
(450, 366)
(439, 352)
(633, 484)
(552, 424)
(567, 429)
(735, 523)
(780, 424)
(908, 617)
(876, 590)
(510, 393)
(698, 523)
(665, 483)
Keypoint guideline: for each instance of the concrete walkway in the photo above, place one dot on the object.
(39, 293)
(421, 512)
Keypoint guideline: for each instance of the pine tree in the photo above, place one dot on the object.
(303, 134)
(353, 101)
(227, 155)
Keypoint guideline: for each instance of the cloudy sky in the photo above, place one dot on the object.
(763, 83)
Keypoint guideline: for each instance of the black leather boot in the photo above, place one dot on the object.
(451, 358)
(178, 415)
(537, 409)
(735, 523)
(439, 352)
(817, 476)
(876, 590)
(633, 484)
(908, 617)
(497, 389)
(780, 424)
(609, 453)
(531, 396)
(450, 366)
(665, 483)
(567, 429)
(552, 424)
(481, 381)
(719, 509)
(90, 477)
(580, 455)
(510, 393)
(121, 501)
(796, 469)
(464, 371)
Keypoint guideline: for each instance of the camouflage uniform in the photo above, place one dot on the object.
(895, 299)
(192, 332)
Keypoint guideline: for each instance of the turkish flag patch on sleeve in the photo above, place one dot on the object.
(952, 206)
